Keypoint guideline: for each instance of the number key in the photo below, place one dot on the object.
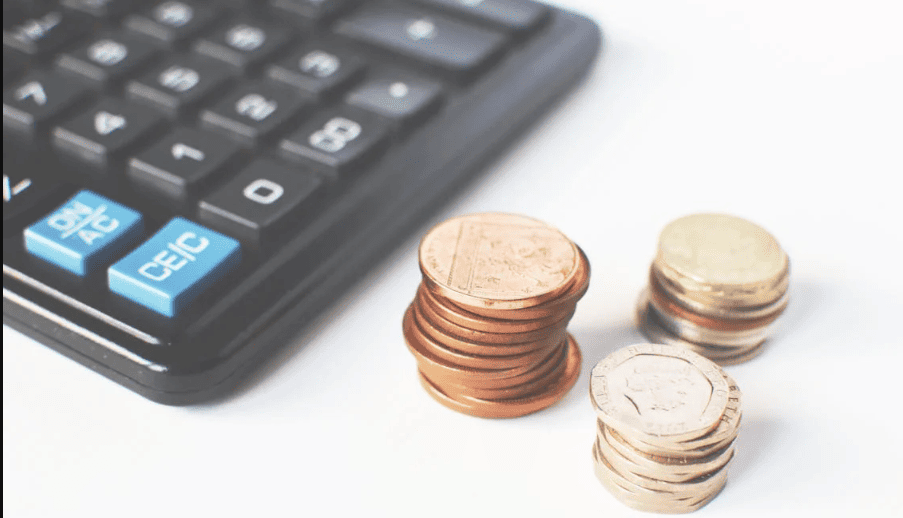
(254, 111)
(338, 139)
(317, 69)
(181, 164)
(108, 59)
(172, 22)
(265, 197)
(106, 132)
(38, 100)
(244, 43)
(180, 84)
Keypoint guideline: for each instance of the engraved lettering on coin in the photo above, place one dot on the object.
(498, 256)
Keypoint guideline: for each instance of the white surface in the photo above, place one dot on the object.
(786, 112)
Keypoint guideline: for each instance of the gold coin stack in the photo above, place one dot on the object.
(488, 326)
(667, 420)
(716, 286)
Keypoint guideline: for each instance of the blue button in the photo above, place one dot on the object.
(174, 266)
(84, 233)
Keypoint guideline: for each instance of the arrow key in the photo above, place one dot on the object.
(178, 167)
(38, 100)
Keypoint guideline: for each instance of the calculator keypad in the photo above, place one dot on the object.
(182, 175)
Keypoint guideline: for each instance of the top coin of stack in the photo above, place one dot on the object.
(667, 420)
(716, 286)
(488, 324)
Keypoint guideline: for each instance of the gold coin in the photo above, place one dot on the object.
(722, 259)
(670, 469)
(704, 446)
(659, 392)
(497, 261)
(700, 484)
(647, 500)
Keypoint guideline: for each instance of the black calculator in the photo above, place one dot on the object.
(186, 183)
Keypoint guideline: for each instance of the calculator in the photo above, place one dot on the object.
(186, 184)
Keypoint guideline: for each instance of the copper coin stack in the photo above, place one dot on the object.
(667, 420)
(488, 326)
(716, 286)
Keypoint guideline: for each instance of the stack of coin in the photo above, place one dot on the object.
(488, 324)
(717, 285)
(667, 420)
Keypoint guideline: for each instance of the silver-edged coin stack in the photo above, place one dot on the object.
(667, 420)
(716, 287)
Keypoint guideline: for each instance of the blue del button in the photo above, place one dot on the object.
(174, 266)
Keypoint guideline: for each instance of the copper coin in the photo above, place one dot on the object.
(445, 373)
(468, 320)
(556, 306)
(539, 379)
(437, 368)
(477, 348)
(486, 337)
(456, 385)
(501, 261)
(514, 407)
(451, 355)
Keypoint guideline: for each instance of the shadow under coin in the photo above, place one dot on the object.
(757, 436)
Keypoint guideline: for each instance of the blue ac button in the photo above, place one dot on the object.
(174, 266)
(84, 233)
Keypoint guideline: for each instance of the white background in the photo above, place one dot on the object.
(786, 112)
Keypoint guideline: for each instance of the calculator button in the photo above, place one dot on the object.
(180, 84)
(101, 8)
(310, 10)
(337, 139)
(181, 164)
(174, 266)
(172, 22)
(106, 132)
(318, 70)
(265, 197)
(254, 111)
(403, 99)
(84, 233)
(108, 59)
(244, 43)
(516, 15)
(433, 39)
(45, 34)
(38, 100)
